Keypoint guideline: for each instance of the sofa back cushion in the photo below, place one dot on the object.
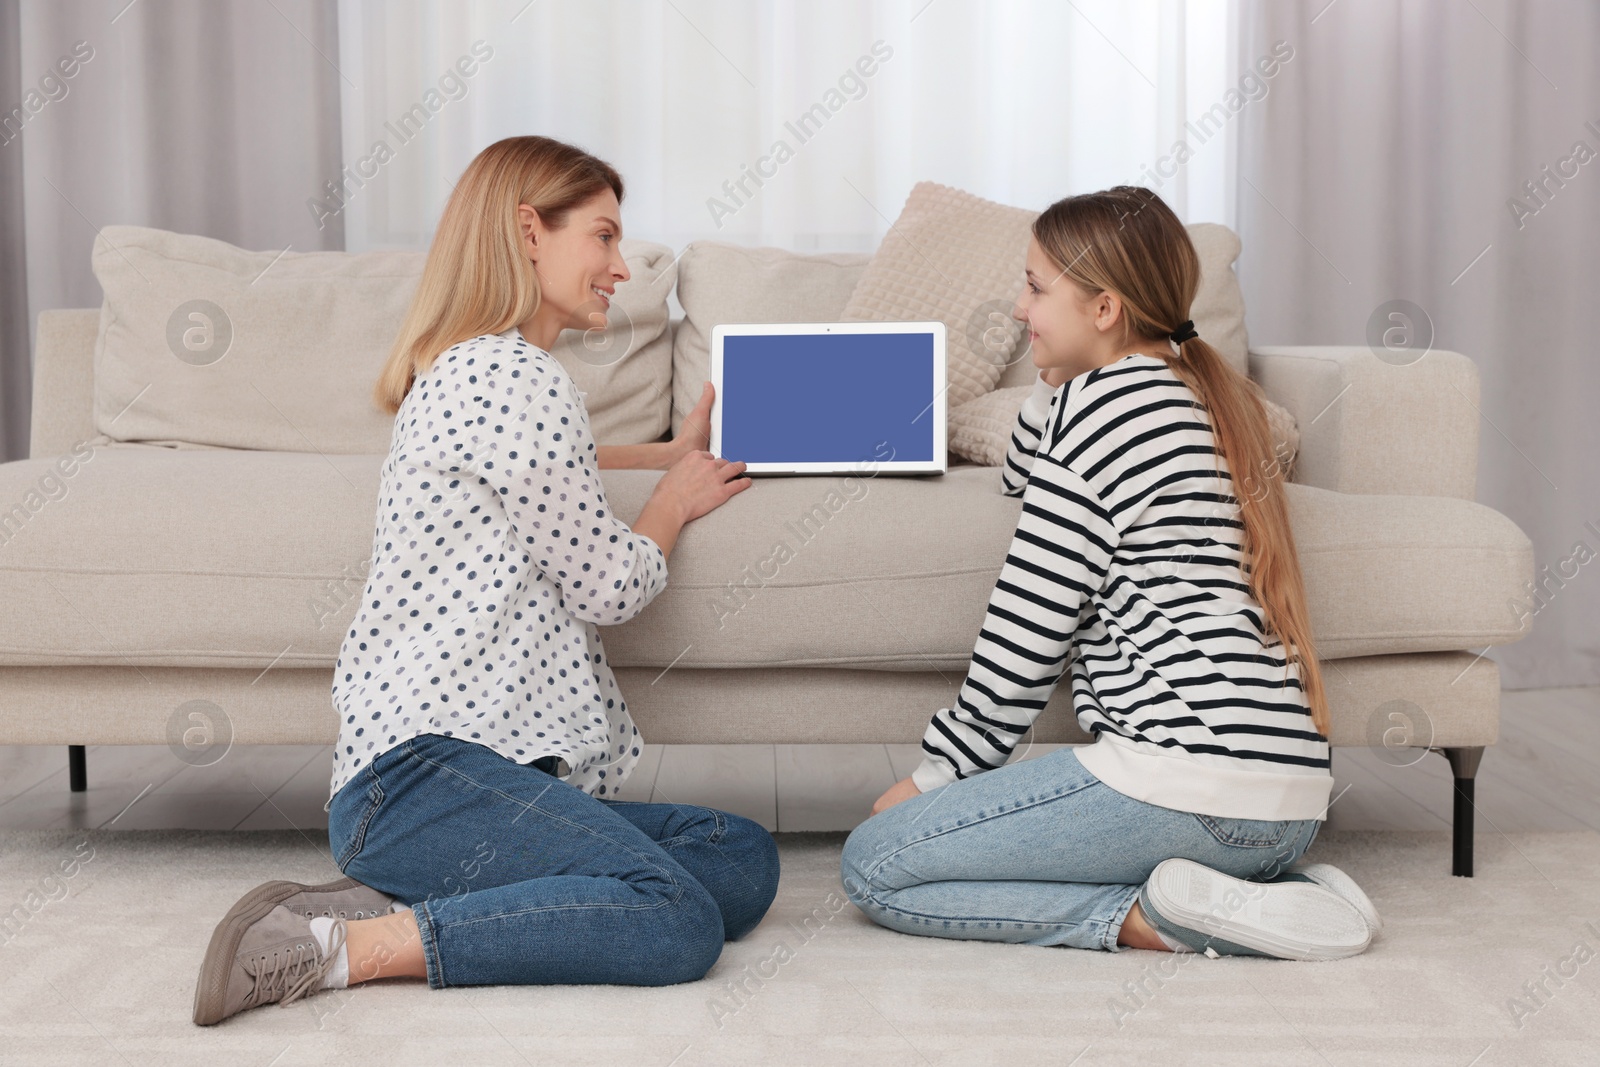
(204, 344)
(1218, 309)
(722, 283)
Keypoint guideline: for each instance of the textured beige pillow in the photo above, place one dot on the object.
(202, 343)
(721, 283)
(981, 428)
(958, 258)
(1285, 436)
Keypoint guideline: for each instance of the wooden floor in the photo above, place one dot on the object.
(1541, 776)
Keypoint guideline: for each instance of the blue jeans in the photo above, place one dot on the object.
(1041, 852)
(516, 877)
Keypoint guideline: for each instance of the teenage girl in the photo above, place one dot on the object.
(482, 736)
(1154, 558)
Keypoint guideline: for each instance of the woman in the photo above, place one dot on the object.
(482, 736)
(1177, 592)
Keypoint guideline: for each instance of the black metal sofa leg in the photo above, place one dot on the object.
(1464, 765)
(77, 768)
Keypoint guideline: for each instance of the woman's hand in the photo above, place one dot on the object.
(695, 433)
(694, 485)
(693, 436)
(904, 789)
(700, 482)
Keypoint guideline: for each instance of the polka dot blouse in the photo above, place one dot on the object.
(495, 559)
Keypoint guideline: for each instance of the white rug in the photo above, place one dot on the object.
(98, 968)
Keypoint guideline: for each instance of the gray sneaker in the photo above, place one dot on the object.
(256, 959)
(1336, 881)
(1220, 915)
(343, 899)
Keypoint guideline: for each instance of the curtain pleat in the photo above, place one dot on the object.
(16, 374)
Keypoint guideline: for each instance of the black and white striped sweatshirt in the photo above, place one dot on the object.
(1127, 558)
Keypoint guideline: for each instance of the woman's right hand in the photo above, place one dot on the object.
(700, 482)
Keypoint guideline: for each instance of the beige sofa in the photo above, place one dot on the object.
(195, 594)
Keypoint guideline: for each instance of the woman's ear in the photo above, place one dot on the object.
(531, 228)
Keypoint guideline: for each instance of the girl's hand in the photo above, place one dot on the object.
(700, 482)
(904, 789)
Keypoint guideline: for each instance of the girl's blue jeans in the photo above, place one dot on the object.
(1043, 853)
(516, 877)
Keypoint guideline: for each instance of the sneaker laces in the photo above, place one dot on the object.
(295, 974)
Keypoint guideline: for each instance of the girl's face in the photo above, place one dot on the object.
(579, 266)
(1068, 327)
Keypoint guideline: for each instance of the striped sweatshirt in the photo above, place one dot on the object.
(1128, 560)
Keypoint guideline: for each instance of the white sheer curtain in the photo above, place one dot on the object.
(1022, 101)
(1391, 166)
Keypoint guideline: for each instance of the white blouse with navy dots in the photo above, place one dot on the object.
(495, 559)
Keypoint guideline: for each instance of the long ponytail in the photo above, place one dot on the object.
(1127, 241)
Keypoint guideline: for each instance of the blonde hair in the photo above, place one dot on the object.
(476, 280)
(1127, 241)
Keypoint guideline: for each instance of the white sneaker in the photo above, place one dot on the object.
(1220, 915)
(1336, 881)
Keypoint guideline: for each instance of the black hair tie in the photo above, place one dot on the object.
(1184, 332)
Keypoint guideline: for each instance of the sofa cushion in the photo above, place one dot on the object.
(895, 573)
(205, 344)
(132, 554)
(722, 283)
(1218, 308)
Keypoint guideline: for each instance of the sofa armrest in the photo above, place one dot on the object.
(63, 381)
(1368, 426)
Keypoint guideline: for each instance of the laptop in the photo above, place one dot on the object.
(830, 397)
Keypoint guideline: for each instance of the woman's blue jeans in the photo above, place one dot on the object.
(1041, 852)
(516, 877)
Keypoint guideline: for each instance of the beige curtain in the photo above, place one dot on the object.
(14, 361)
(1429, 152)
(211, 118)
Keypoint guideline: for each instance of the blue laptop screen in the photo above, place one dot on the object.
(827, 398)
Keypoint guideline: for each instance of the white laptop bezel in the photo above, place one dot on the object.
(936, 465)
